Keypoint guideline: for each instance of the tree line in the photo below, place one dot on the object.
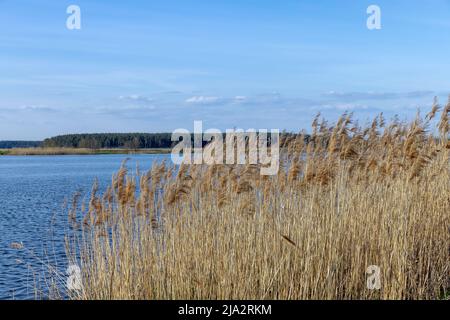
(19, 144)
(125, 140)
(111, 141)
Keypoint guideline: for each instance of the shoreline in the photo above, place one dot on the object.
(77, 151)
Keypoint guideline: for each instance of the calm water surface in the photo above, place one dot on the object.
(33, 191)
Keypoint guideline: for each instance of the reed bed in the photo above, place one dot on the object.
(345, 199)
(56, 151)
(47, 151)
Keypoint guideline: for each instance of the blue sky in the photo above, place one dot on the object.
(148, 66)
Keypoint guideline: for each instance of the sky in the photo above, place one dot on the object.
(155, 66)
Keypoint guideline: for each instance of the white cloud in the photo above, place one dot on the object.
(343, 106)
(136, 97)
(203, 100)
(372, 95)
(29, 108)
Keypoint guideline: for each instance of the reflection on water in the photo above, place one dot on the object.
(33, 191)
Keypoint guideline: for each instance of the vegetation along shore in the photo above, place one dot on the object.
(97, 143)
(77, 151)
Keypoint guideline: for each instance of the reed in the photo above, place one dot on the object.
(55, 151)
(48, 151)
(349, 198)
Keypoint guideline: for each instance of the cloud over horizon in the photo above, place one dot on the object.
(371, 95)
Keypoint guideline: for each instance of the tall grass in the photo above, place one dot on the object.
(54, 151)
(48, 151)
(349, 198)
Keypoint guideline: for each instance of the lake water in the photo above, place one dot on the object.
(33, 191)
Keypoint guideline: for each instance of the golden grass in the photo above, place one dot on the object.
(48, 151)
(350, 198)
(76, 151)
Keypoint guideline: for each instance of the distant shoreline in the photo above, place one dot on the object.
(77, 151)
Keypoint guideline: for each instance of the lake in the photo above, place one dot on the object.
(33, 190)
